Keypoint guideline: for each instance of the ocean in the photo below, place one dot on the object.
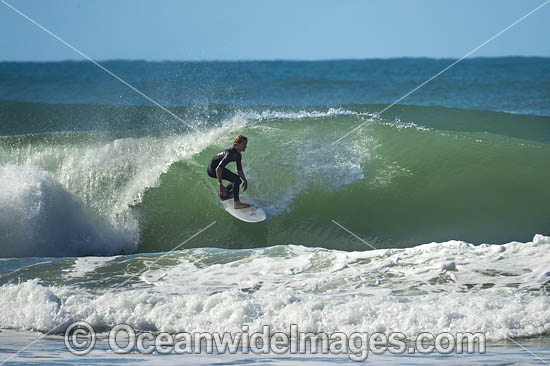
(431, 217)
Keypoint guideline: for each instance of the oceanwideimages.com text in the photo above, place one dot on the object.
(80, 339)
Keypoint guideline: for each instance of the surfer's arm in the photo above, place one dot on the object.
(220, 183)
(240, 172)
(245, 182)
(220, 167)
(219, 173)
(222, 189)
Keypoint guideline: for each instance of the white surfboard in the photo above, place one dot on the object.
(254, 213)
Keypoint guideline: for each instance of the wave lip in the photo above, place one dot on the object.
(39, 217)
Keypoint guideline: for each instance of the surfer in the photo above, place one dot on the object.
(217, 169)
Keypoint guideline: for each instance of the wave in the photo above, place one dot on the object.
(39, 216)
(24, 118)
(450, 286)
(416, 175)
(106, 177)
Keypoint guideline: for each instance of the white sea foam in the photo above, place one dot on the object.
(331, 112)
(452, 286)
(85, 265)
(39, 217)
(297, 115)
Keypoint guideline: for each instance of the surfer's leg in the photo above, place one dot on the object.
(230, 176)
(211, 172)
(233, 178)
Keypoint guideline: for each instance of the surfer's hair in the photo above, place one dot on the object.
(239, 139)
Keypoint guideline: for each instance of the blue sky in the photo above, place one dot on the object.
(266, 30)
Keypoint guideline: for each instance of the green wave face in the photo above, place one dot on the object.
(416, 175)
(393, 184)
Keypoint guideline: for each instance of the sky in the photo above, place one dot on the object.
(267, 30)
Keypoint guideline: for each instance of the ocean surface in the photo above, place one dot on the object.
(433, 216)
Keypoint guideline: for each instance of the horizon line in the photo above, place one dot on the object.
(269, 59)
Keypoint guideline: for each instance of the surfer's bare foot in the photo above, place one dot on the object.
(239, 204)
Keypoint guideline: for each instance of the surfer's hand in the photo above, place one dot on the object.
(223, 191)
(245, 185)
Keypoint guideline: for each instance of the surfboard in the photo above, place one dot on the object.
(254, 213)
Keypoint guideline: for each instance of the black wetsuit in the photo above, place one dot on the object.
(221, 159)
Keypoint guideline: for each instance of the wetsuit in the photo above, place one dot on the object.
(221, 159)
